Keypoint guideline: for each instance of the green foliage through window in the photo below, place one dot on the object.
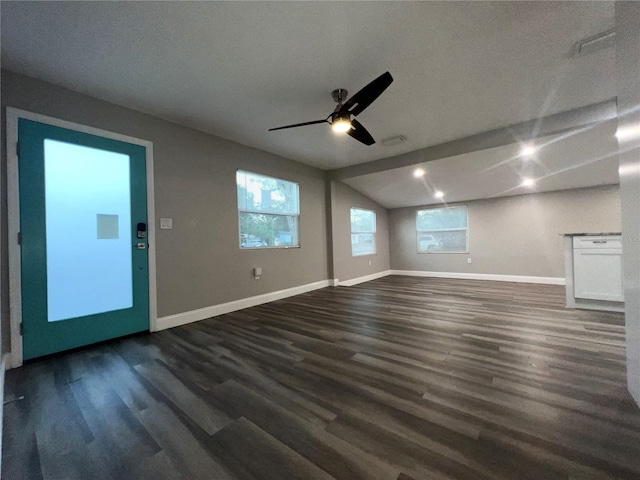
(269, 211)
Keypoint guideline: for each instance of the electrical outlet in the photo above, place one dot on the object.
(469, 260)
(369, 262)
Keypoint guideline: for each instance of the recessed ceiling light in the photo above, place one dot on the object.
(527, 150)
(419, 172)
(439, 194)
(528, 182)
(628, 132)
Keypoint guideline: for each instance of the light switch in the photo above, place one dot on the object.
(166, 223)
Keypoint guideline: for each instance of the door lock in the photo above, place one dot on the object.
(142, 230)
(141, 246)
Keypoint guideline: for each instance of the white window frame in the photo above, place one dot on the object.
(375, 230)
(266, 247)
(426, 232)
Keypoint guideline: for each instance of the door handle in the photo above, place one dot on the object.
(140, 246)
(599, 241)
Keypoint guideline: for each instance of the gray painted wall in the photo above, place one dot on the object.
(199, 262)
(517, 235)
(346, 266)
(628, 69)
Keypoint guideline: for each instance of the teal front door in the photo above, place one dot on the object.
(83, 216)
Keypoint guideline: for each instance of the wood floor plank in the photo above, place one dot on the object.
(399, 451)
(204, 415)
(332, 454)
(188, 455)
(242, 442)
(21, 460)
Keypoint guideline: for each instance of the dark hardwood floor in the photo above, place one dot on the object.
(399, 378)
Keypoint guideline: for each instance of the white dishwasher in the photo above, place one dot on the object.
(597, 268)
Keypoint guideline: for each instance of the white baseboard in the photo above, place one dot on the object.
(13, 360)
(482, 276)
(334, 282)
(215, 310)
(366, 278)
(602, 305)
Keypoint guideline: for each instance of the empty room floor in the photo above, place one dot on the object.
(399, 378)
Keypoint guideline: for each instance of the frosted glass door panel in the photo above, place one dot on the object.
(88, 222)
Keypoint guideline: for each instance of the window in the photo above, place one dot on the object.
(443, 230)
(268, 211)
(363, 232)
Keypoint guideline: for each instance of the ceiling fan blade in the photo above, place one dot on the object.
(299, 125)
(365, 97)
(360, 133)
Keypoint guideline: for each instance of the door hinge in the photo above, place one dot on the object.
(21, 329)
(18, 149)
(19, 238)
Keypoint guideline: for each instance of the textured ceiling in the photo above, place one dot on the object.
(236, 69)
(581, 158)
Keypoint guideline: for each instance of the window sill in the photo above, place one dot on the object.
(444, 253)
(279, 247)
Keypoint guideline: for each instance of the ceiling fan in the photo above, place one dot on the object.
(340, 119)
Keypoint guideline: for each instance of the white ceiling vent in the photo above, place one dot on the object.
(398, 139)
(593, 44)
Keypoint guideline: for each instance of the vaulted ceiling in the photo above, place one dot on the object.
(578, 158)
(236, 69)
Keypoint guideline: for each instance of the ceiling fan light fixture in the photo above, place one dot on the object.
(341, 125)
(341, 120)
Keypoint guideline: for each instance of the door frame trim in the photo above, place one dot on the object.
(15, 356)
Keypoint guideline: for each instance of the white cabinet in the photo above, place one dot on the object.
(597, 268)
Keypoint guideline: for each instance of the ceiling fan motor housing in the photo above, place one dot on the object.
(337, 115)
(339, 95)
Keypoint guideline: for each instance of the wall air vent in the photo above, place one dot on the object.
(398, 139)
(593, 44)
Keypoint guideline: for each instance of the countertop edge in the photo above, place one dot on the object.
(582, 234)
